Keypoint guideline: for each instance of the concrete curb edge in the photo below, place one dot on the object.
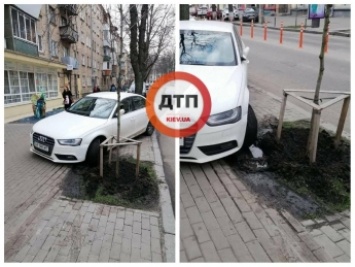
(168, 218)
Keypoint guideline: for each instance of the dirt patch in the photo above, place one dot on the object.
(84, 182)
(324, 185)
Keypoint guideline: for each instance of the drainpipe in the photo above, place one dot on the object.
(48, 33)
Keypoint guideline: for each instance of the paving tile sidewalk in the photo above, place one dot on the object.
(42, 226)
(222, 220)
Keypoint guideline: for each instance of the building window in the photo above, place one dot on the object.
(47, 83)
(64, 21)
(52, 15)
(88, 62)
(54, 48)
(66, 51)
(20, 86)
(88, 81)
(83, 60)
(40, 46)
(23, 26)
(84, 81)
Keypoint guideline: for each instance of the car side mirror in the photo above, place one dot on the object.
(246, 52)
(245, 55)
(122, 111)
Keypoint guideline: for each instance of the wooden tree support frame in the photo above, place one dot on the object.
(318, 110)
(112, 143)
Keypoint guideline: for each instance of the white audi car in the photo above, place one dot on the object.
(75, 135)
(214, 52)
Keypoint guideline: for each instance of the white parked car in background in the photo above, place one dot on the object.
(75, 135)
(214, 52)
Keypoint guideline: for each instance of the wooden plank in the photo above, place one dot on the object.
(341, 123)
(281, 117)
(138, 156)
(312, 91)
(333, 101)
(305, 101)
(101, 161)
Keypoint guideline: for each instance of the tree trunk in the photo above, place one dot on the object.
(184, 12)
(321, 56)
(119, 88)
(310, 143)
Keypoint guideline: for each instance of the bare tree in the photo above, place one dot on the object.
(319, 80)
(150, 35)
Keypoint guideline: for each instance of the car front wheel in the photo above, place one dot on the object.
(251, 130)
(93, 154)
(149, 130)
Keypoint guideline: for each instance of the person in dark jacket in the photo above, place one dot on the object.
(214, 12)
(68, 97)
(113, 88)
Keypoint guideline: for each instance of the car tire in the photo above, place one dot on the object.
(251, 130)
(93, 153)
(149, 130)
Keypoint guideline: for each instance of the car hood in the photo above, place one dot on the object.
(223, 82)
(67, 125)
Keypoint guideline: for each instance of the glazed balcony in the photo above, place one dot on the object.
(106, 58)
(70, 61)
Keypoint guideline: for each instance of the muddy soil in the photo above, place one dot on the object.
(285, 177)
(84, 182)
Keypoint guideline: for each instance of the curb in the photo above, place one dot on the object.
(168, 217)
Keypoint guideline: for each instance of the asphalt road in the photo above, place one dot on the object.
(274, 67)
(167, 148)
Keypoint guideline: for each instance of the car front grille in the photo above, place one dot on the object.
(188, 142)
(218, 148)
(43, 141)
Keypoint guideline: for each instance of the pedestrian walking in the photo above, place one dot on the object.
(214, 12)
(113, 88)
(67, 96)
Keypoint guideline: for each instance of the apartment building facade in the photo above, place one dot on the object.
(48, 46)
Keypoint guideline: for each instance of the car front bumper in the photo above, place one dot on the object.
(212, 143)
(59, 153)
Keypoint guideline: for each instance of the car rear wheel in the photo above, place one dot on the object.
(93, 154)
(149, 130)
(252, 129)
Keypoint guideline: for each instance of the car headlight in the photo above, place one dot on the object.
(70, 142)
(226, 117)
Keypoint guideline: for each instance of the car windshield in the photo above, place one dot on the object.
(93, 107)
(208, 48)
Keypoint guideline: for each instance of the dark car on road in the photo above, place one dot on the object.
(250, 14)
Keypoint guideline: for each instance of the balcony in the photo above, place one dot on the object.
(68, 34)
(107, 58)
(71, 62)
(22, 46)
(70, 10)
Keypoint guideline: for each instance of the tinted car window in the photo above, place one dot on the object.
(208, 48)
(126, 104)
(138, 102)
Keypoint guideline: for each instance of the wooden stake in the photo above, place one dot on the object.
(101, 161)
(314, 136)
(138, 156)
(341, 123)
(281, 117)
